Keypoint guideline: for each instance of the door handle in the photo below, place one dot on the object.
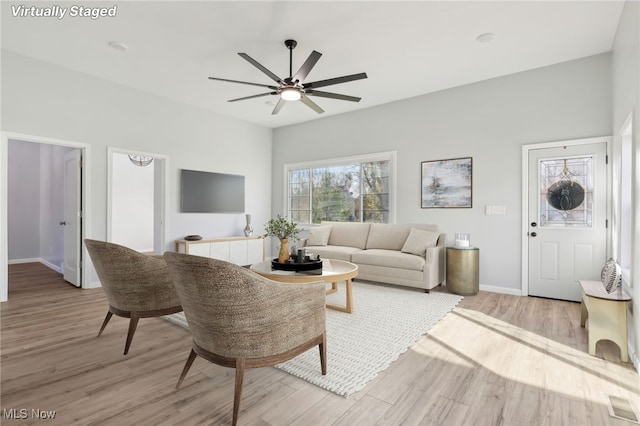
(533, 234)
(63, 223)
(533, 224)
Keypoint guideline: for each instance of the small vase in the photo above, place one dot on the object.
(248, 230)
(283, 255)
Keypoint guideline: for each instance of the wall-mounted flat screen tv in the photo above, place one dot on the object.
(207, 192)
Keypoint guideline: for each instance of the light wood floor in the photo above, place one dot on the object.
(495, 360)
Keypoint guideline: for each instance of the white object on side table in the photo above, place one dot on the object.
(462, 240)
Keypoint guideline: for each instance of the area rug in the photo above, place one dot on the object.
(385, 323)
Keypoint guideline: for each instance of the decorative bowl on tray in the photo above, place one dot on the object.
(295, 266)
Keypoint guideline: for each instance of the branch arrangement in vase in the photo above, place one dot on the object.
(282, 229)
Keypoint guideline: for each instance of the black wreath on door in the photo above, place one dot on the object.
(565, 195)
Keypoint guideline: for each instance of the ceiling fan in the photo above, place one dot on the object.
(293, 87)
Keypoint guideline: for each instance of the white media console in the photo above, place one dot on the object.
(239, 250)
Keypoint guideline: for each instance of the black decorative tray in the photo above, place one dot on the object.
(295, 266)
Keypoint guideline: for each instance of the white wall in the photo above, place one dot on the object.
(132, 203)
(23, 200)
(46, 100)
(52, 170)
(626, 100)
(36, 203)
(488, 121)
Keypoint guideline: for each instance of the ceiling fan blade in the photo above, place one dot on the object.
(244, 82)
(252, 96)
(256, 64)
(332, 95)
(307, 66)
(279, 106)
(308, 102)
(336, 80)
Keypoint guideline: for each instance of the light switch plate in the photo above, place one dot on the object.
(491, 210)
(498, 209)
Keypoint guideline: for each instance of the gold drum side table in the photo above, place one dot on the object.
(463, 265)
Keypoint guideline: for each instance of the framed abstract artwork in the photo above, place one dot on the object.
(446, 183)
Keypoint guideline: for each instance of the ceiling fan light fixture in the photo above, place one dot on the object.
(290, 94)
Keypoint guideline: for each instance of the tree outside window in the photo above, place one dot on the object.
(355, 192)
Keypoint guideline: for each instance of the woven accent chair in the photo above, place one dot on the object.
(239, 319)
(136, 285)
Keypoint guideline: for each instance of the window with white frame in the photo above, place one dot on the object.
(354, 189)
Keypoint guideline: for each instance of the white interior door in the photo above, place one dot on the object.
(567, 218)
(72, 217)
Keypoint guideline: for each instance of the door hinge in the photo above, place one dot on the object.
(606, 223)
(606, 159)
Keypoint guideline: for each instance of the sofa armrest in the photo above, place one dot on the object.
(435, 262)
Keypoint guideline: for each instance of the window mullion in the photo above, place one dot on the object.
(361, 190)
(310, 195)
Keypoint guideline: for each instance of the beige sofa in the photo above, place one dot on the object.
(405, 254)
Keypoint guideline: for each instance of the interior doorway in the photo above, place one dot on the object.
(565, 216)
(47, 243)
(136, 200)
(72, 217)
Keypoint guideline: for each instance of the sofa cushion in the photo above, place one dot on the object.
(418, 241)
(319, 235)
(350, 234)
(388, 258)
(333, 252)
(425, 227)
(387, 236)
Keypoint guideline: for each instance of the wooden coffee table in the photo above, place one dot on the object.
(333, 271)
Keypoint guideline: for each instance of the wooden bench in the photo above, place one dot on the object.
(607, 313)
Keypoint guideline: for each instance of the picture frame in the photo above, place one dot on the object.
(447, 183)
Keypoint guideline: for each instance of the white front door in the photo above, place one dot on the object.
(567, 218)
(72, 217)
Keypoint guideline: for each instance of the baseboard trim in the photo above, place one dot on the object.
(58, 269)
(36, 260)
(502, 290)
(93, 284)
(32, 260)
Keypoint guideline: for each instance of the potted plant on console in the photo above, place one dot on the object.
(284, 230)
